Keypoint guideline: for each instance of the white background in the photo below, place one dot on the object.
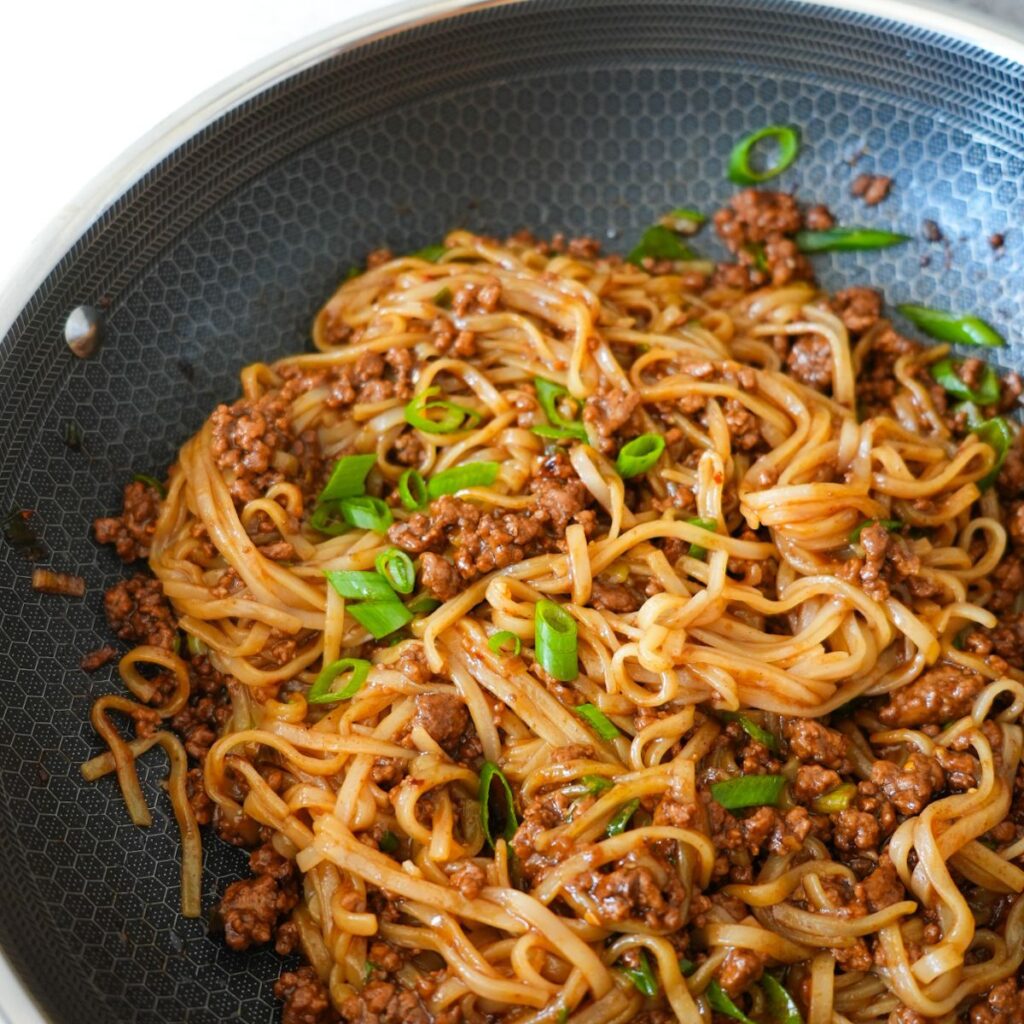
(81, 81)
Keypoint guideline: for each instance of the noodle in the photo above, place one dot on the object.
(782, 594)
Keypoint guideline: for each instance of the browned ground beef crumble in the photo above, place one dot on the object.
(456, 542)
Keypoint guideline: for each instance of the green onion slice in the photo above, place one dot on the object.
(326, 519)
(944, 372)
(683, 220)
(430, 253)
(595, 784)
(618, 824)
(412, 489)
(642, 977)
(835, 800)
(489, 774)
(563, 1015)
(505, 642)
(388, 842)
(151, 481)
(396, 567)
(751, 728)
(348, 477)
(998, 435)
(352, 272)
(759, 256)
(555, 641)
(423, 604)
(443, 298)
(847, 239)
(380, 618)
(453, 417)
(366, 513)
(711, 525)
(548, 394)
(659, 243)
(957, 328)
(196, 647)
(781, 1005)
(748, 791)
(598, 721)
(639, 455)
(719, 1000)
(458, 478)
(741, 172)
(890, 524)
(360, 586)
(686, 967)
(321, 693)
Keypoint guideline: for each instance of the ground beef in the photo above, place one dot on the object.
(387, 771)
(810, 741)
(739, 970)
(743, 425)
(198, 798)
(383, 1002)
(876, 382)
(449, 340)
(444, 717)
(859, 308)
(138, 612)
(909, 786)
(468, 878)
(439, 576)
(937, 696)
(763, 219)
(812, 781)
(429, 531)
(305, 997)
(614, 597)
(856, 830)
(252, 907)
(408, 448)
(888, 563)
(1005, 641)
(131, 532)
(819, 218)
(483, 296)
(810, 361)
(373, 377)
(882, 887)
(607, 412)
(545, 809)
(561, 496)
(412, 663)
(1004, 1004)
(97, 659)
(632, 892)
(871, 188)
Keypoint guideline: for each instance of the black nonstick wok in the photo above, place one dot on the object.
(579, 117)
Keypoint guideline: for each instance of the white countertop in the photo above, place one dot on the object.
(80, 82)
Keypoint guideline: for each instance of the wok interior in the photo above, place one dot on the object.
(532, 114)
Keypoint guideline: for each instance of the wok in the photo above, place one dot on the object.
(212, 245)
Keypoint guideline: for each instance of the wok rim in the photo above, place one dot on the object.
(67, 226)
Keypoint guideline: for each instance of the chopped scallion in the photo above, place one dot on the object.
(396, 567)
(388, 842)
(719, 1001)
(749, 791)
(321, 693)
(196, 647)
(781, 1005)
(489, 774)
(705, 523)
(430, 253)
(423, 604)
(890, 524)
(835, 800)
(957, 328)
(151, 481)
(360, 586)
(412, 489)
(944, 372)
(366, 513)
(642, 977)
(458, 478)
(348, 477)
(505, 642)
(443, 298)
(549, 394)
(453, 417)
(751, 728)
(639, 455)
(598, 721)
(380, 618)
(998, 435)
(683, 220)
(659, 243)
(327, 519)
(845, 239)
(555, 643)
(618, 824)
(741, 171)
